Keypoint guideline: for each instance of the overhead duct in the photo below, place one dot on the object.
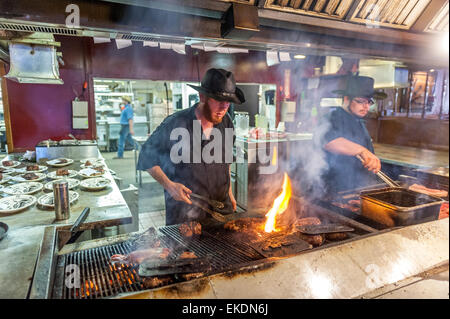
(240, 22)
(33, 59)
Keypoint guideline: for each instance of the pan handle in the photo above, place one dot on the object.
(80, 220)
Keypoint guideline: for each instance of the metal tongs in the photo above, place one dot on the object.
(215, 215)
(382, 175)
(214, 203)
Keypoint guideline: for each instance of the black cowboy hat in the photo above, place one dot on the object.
(220, 85)
(361, 86)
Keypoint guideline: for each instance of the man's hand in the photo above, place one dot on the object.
(371, 162)
(179, 192)
(233, 201)
(131, 132)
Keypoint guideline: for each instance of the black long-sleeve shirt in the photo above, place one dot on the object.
(345, 172)
(208, 179)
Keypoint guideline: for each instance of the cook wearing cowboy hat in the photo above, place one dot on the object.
(126, 127)
(343, 135)
(182, 177)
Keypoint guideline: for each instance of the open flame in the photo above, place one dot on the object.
(280, 204)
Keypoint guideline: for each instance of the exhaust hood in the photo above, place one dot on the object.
(33, 59)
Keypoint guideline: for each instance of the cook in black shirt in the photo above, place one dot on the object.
(346, 136)
(191, 151)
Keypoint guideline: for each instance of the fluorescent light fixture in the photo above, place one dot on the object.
(299, 56)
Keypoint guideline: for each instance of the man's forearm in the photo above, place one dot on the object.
(130, 122)
(157, 173)
(344, 147)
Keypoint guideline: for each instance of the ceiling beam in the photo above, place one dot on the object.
(428, 15)
(343, 29)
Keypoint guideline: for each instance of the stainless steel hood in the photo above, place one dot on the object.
(33, 59)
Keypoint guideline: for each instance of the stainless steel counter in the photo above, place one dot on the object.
(19, 250)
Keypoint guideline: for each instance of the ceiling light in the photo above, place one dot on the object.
(299, 56)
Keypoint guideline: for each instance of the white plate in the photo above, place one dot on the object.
(26, 188)
(5, 178)
(89, 173)
(72, 184)
(15, 164)
(7, 170)
(95, 184)
(102, 165)
(16, 203)
(41, 169)
(93, 160)
(55, 162)
(53, 175)
(47, 199)
(19, 178)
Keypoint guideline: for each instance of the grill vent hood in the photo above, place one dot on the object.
(33, 59)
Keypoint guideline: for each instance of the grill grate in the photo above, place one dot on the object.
(225, 254)
(98, 278)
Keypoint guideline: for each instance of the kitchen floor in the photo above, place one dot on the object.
(151, 194)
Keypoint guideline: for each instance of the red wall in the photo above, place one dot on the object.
(39, 112)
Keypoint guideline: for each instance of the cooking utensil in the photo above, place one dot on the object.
(215, 215)
(3, 230)
(152, 267)
(323, 229)
(399, 206)
(69, 236)
(214, 203)
(382, 175)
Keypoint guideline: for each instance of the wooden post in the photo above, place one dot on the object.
(444, 89)
(9, 140)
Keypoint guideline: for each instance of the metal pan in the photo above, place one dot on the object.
(3, 230)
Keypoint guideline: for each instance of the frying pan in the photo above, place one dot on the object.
(3, 230)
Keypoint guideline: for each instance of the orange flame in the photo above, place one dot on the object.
(280, 204)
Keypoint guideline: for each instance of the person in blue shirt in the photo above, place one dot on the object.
(343, 135)
(126, 127)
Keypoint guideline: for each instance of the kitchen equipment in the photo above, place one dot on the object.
(397, 206)
(215, 215)
(72, 149)
(67, 237)
(382, 175)
(242, 123)
(323, 229)
(61, 200)
(216, 204)
(3, 230)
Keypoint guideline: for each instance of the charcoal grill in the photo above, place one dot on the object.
(100, 279)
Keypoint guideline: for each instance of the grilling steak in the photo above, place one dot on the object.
(33, 167)
(190, 229)
(245, 224)
(315, 240)
(428, 191)
(138, 256)
(336, 236)
(153, 282)
(187, 255)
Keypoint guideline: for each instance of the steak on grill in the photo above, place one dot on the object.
(187, 255)
(190, 229)
(315, 240)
